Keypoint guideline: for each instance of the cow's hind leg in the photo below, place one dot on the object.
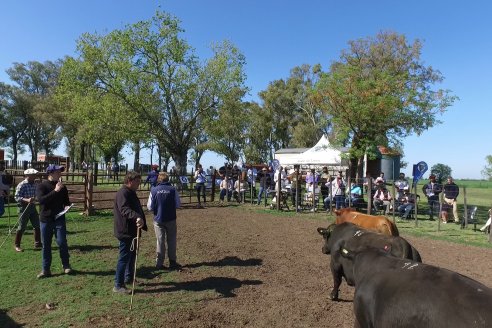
(337, 280)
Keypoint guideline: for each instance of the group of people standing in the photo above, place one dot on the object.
(52, 196)
(129, 221)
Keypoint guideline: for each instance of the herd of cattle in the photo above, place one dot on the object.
(393, 288)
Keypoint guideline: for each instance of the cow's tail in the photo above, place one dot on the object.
(415, 255)
(393, 229)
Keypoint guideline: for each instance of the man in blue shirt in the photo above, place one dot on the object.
(152, 176)
(163, 202)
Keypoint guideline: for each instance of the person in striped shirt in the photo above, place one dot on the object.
(25, 195)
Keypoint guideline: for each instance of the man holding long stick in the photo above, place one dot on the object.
(25, 194)
(128, 218)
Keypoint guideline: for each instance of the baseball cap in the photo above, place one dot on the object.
(30, 172)
(53, 167)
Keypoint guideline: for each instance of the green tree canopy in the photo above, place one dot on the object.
(487, 169)
(441, 171)
(379, 92)
(155, 73)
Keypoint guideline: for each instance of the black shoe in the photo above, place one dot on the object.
(175, 266)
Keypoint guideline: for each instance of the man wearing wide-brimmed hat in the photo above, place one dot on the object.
(25, 195)
(52, 196)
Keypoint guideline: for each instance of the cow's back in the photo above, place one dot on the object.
(391, 292)
(376, 223)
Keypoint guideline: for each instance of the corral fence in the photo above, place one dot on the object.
(91, 191)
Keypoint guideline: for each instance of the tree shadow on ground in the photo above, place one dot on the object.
(227, 261)
(222, 285)
(6, 321)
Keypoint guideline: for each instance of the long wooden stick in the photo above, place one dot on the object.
(135, 268)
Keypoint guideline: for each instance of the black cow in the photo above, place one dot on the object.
(393, 292)
(356, 238)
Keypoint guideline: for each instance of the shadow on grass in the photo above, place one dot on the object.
(227, 261)
(77, 232)
(148, 272)
(6, 321)
(90, 248)
(222, 285)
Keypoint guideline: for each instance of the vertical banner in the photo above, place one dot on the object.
(418, 171)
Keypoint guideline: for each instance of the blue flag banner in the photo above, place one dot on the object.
(418, 171)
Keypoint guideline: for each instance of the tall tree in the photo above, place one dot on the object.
(36, 83)
(258, 135)
(379, 92)
(227, 128)
(441, 171)
(156, 74)
(13, 118)
(487, 169)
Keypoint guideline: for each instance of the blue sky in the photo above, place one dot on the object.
(276, 36)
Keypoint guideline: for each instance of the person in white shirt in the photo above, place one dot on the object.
(338, 186)
(382, 197)
(200, 179)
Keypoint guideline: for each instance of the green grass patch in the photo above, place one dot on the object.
(86, 295)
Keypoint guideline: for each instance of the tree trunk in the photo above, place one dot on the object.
(82, 152)
(136, 158)
(180, 158)
(14, 149)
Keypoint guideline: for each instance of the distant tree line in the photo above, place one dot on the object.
(144, 86)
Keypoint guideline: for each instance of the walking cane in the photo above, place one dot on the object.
(8, 206)
(135, 268)
(16, 224)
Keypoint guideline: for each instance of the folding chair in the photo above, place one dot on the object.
(470, 218)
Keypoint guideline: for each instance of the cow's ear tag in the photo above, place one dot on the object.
(344, 251)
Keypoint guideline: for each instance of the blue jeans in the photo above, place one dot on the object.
(2, 204)
(260, 193)
(126, 263)
(223, 192)
(339, 201)
(59, 228)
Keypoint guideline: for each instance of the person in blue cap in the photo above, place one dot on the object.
(52, 196)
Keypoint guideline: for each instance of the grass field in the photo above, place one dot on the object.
(79, 297)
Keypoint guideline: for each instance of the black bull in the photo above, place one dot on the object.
(393, 292)
(355, 238)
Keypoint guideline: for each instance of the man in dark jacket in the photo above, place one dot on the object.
(163, 202)
(265, 181)
(52, 196)
(432, 190)
(128, 217)
(451, 192)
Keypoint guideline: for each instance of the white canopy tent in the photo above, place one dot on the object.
(322, 154)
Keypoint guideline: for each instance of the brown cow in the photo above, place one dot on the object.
(376, 223)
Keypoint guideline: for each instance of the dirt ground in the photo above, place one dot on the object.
(268, 270)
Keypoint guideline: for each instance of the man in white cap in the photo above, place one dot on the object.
(24, 195)
(52, 196)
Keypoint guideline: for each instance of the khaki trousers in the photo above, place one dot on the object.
(453, 202)
(165, 233)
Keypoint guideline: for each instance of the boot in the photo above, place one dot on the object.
(18, 237)
(37, 238)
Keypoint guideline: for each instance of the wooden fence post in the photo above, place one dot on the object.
(89, 209)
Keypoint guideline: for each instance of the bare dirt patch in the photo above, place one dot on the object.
(266, 270)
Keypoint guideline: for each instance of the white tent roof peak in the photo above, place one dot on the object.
(321, 154)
